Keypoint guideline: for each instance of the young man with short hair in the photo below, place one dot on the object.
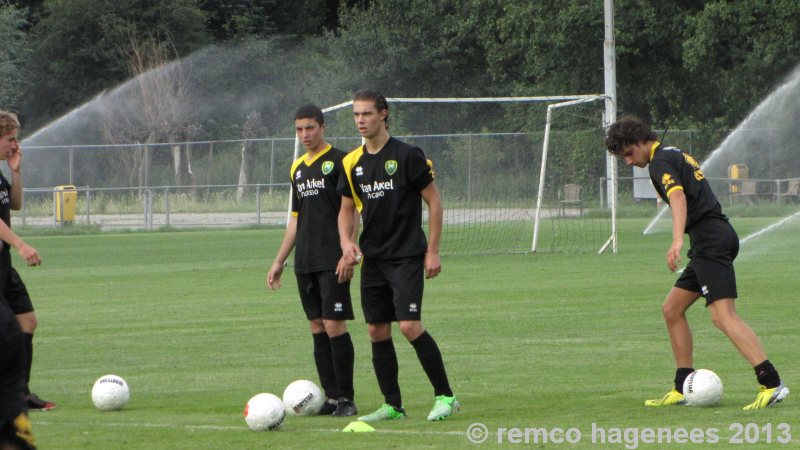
(11, 285)
(323, 279)
(386, 181)
(680, 182)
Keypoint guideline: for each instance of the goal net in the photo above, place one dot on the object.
(488, 158)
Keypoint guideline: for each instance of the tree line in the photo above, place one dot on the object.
(692, 64)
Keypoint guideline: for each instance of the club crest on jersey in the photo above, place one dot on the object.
(327, 166)
(667, 180)
(391, 166)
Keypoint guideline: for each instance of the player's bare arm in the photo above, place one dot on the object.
(29, 254)
(345, 270)
(677, 207)
(15, 165)
(350, 250)
(276, 270)
(433, 263)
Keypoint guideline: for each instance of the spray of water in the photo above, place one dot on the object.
(765, 141)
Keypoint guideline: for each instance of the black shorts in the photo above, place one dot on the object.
(714, 246)
(391, 290)
(16, 294)
(323, 297)
(12, 372)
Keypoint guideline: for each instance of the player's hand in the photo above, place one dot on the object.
(674, 255)
(274, 275)
(344, 270)
(433, 265)
(351, 253)
(29, 254)
(15, 159)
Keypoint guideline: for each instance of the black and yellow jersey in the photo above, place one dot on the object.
(315, 203)
(5, 207)
(385, 187)
(672, 168)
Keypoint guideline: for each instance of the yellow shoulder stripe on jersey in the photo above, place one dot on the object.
(304, 159)
(349, 162)
(673, 190)
(433, 171)
(653, 149)
(297, 162)
(309, 162)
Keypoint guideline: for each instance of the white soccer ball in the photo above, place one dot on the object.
(110, 393)
(702, 388)
(264, 412)
(302, 398)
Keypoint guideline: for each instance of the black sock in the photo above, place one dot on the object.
(384, 360)
(680, 376)
(28, 362)
(324, 361)
(343, 358)
(431, 359)
(767, 375)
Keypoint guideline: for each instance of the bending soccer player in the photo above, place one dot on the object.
(13, 289)
(680, 182)
(386, 181)
(322, 276)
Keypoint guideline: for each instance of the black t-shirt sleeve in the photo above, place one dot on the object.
(665, 174)
(420, 174)
(295, 200)
(343, 185)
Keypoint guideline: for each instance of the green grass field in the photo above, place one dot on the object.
(530, 341)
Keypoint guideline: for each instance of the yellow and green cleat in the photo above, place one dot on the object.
(769, 397)
(673, 398)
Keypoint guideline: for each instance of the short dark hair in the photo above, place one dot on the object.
(627, 131)
(375, 97)
(310, 112)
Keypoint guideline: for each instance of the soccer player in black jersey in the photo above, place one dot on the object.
(323, 278)
(386, 181)
(680, 182)
(15, 427)
(13, 290)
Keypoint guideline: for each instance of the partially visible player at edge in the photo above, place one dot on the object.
(11, 285)
(15, 426)
(680, 182)
(323, 278)
(386, 179)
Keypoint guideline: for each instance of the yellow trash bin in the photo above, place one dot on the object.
(737, 172)
(65, 199)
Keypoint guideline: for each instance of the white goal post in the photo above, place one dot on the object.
(532, 213)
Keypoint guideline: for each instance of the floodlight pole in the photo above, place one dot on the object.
(610, 77)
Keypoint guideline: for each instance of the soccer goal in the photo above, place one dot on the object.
(516, 174)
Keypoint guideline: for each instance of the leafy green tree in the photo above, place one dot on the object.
(738, 52)
(82, 46)
(232, 20)
(14, 52)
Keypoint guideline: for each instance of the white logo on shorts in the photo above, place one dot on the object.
(704, 289)
(337, 307)
(412, 307)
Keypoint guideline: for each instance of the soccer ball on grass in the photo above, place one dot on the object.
(702, 388)
(264, 412)
(302, 398)
(110, 393)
